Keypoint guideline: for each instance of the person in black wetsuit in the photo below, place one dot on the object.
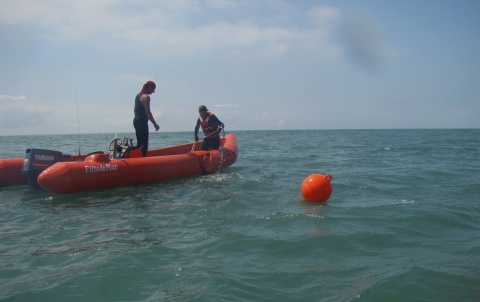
(143, 115)
(211, 127)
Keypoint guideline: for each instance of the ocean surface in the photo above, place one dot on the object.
(402, 223)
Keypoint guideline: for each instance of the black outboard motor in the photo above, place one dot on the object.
(37, 160)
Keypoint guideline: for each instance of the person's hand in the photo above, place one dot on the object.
(157, 127)
(196, 138)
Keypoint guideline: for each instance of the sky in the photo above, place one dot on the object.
(76, 66)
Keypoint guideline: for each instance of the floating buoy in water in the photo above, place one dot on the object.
(317, 188)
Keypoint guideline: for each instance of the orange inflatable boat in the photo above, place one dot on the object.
(98, 171)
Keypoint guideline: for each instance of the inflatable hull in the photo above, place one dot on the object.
(100, 172)
(11, 170)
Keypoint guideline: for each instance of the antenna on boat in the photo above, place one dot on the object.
(78, 125)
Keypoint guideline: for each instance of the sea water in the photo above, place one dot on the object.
(402, 224)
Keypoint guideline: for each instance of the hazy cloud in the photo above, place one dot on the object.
(226, 106)
(12, 97)
(135, 78)
(164, 26)
(222, 4)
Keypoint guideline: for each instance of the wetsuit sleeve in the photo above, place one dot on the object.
(215, 120)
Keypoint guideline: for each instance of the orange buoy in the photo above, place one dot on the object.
(317, 188)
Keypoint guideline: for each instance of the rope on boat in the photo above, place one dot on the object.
(221, 151)
(222, 142)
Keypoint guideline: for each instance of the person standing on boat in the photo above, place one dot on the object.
(211, 127)
(143, 115)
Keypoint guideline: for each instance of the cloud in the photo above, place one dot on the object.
(234, 38)
(272, 119)
(134, 78)
(166, 28)
(14, 116)
(12, 97)
(61, 117)
(222, 4)
(226, 106)
(325, 16)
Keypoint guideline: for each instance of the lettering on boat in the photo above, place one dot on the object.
(44, 157)
(101, 168)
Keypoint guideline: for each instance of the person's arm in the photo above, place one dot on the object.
(216, 123)
(197, 127)
(145, 99)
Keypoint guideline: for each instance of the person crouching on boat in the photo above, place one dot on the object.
(143, 115)
(211, 127)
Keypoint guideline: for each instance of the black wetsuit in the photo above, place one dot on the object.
(140, 122)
